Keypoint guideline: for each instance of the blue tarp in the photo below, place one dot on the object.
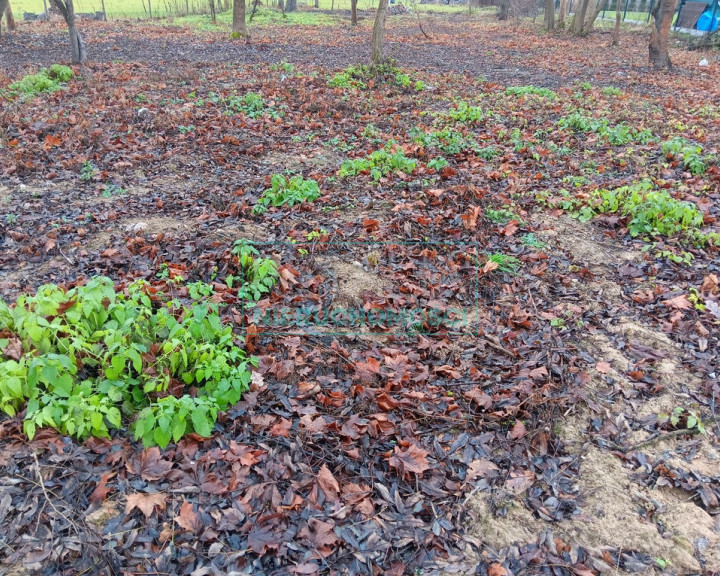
(707, 22)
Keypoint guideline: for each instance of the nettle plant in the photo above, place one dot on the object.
(287, 192)
(90, 359)
(379, 163)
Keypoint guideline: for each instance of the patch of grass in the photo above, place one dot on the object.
(379, 163)
(46, 80)
(533, 90)
(92, 359)
(532, 241)
(505, 263)
(287, 192)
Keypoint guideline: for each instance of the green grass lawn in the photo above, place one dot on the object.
(140, 9)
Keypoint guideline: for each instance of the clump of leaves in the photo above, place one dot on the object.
(466, 114)
(92, 358)
(359, 75)
(681, 418)
(378, 164)
(499, 216)
(252, 105)
(448, 141)
(689, 152)
(617, 135)
(46, 80)
(532, 241)
(88, 171)
(287, 192)
(437, 163)
(651, 211)
(612, 91)
(534, 90)
(259, 274)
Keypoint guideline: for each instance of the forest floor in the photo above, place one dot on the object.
(566, 423)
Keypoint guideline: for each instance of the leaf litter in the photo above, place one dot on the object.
(504, 450)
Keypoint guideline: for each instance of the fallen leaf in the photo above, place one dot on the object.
(413, 459)
(146, 503)
(328, 483)
(603, 367)
(188, 518)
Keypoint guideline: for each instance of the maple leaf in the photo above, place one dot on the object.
(316, 426)
(150, 466)
(146, 503)
(188, 518)
(480, 469)
(281, 428)
(479, 397)
(518, 430)
(262, 539)
(413, 459)
(328, 483)
(680, 302)
(101, 490)
(603, 367)
(319, 533)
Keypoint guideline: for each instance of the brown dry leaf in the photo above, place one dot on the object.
(479, 397)
(603, 367)
(414, 460)
(14, 349)
(496, 569)
(328, 483)
(101, 490)
(188, 518)
(480, 469)
(680, 302)
(146, 503)
(490, 266)
(518, 430)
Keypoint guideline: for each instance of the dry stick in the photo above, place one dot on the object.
(657, 437)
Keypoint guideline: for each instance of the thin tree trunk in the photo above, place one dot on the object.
(4, 4)
(103, 9)
(9, 18)
(503, 9)
(317, 3)
(618, 20)
(150, 8)
(660, 34)
(77, 46)
(213, 18)
(290, 5)
(378, 32)
(578, 22)
(239, 27)
(353, 12)
(562, 13)
(550, 14)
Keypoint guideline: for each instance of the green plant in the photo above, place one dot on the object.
(87, 172)
(689, 152)
(532, 241)
(437, 163)
(465, 113)
(287, 192)
(534, 90)
(505, 263)
(10, 218)
(488, 153)
(499, 216)
(612, 91)
(419, 86)
(682, 418)
(185, 129)
(252, 105)
(90, 358)
(259, 274)
(378, 164)
(283, 66)
(316, 234)
(447, 140)
(46, 80)
(113, 190)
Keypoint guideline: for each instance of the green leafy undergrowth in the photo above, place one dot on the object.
(617, 135)
(252, 105)
(46, 80)
(448, 141)
(378, 164)
(90, 359)
(259, 275)
(687, 151)
(359, 77)
(287, 192)
(532, 90)
(504, 263)
(464, 113)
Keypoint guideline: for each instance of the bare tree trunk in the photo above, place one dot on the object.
(150, 8)
(77, 46)
(9, 18)
(592, 17)
(660, 34)
(562, 13)
(281, 5)
(213, 18)
(504, 10)
(290, 5)
(618, 19)
(378, 31)
(317, 3)
(353, 12)
(550, 14)
(103, 9)
(578, 22)
(239, 27)
(4, 5)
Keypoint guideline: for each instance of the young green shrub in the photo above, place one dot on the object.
(466, 114)
(90, 359)
(259, 274)
(378, 164)
(448, 141)
(252, 105)
(689, 152)
(287, 192)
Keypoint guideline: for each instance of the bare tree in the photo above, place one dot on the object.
(616, 31)
(9, 18)
(590, 18)
(660, 34)
(353, 12)
(290, 5)
(562, 13)
(550, 14)
(239, 27)
(78, 53)
(378, 32)
(4, 5)
(578, 21)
